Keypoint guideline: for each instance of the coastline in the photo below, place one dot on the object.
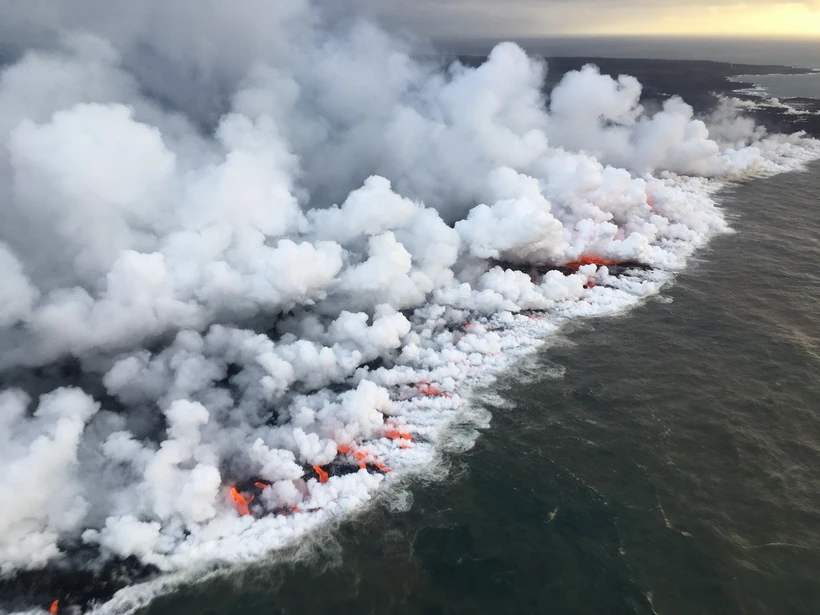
(526, 338)
(485, 348)
(518, 338)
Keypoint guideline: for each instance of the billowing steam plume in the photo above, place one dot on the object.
(279, 251)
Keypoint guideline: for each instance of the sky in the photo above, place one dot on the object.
(466, 18)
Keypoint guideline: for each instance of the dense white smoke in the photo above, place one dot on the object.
(280, 244)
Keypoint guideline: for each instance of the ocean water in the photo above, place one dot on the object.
(786, 86)
(663, 461)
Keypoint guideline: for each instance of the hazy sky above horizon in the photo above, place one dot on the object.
(468, 18)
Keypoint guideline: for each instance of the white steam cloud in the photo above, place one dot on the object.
(279, 244)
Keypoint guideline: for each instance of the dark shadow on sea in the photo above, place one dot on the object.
(673, 468)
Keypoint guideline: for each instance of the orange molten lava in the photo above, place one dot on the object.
(650, 201)
(345, 449)
(431, 391)
(55, 606)
(261, 485)
(241, 502)
(321, 474)
(360, 456)
(590, 260)
(395, 434)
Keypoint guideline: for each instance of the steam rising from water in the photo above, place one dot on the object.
(275, 245)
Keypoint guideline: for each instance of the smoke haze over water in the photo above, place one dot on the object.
(281, 251)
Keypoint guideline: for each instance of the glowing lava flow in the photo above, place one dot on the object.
(395, 434)
(55, 606)
(344, 449)
(430, 391)
(590, 260)
(323, 477)
(361, 457)
(242, 504)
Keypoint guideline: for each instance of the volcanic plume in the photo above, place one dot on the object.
(262, 256)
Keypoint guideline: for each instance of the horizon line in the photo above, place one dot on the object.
(659, 37)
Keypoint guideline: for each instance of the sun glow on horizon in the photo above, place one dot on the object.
(794, 19)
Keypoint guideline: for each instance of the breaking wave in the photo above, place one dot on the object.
(263, 255)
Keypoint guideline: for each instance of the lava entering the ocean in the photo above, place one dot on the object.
(321, 474)
(428, 390)
(590, 259)
(241, 502)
